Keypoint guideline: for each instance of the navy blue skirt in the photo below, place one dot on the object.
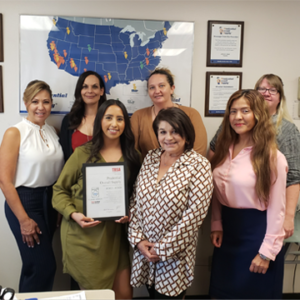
(243, 234)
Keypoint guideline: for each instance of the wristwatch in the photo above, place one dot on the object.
(264, 257)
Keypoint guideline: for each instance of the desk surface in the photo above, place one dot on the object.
(90, 294)
(295, 238)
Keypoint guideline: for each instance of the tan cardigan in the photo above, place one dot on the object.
(145, 138)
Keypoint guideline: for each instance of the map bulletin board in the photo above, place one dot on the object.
(58, 49)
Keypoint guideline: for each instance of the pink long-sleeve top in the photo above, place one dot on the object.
(234, 186)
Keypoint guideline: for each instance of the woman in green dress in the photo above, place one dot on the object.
(95, 253)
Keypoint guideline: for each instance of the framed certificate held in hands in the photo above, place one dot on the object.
(105, 191)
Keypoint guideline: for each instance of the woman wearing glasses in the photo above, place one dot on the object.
(287, 138)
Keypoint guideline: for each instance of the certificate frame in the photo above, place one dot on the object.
(210, 79)
(228, 54)
(1, 39)
(1, 92)
(90, 191)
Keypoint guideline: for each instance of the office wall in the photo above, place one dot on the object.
(271, 45)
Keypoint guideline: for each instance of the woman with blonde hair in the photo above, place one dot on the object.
(161, 89)
(287, 138)
(31, 159)
(248, 205)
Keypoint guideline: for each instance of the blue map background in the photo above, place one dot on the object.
(76, 47)
(57, 49)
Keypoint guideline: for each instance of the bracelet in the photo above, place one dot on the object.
(264, 257)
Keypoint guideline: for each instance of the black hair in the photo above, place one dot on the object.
(78, 109)
(180, 121)
(130, 155)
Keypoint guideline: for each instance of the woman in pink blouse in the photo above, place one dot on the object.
(248, 205)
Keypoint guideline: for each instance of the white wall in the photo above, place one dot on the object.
(271, 45)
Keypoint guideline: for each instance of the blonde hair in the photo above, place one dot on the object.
(33, 88)
(263, 155)
(281, 110)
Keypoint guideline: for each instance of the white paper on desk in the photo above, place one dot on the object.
(77, 296)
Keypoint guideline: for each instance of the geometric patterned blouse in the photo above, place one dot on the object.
(169, 214)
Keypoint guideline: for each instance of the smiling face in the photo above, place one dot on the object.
(271, 100)
(91, 90)
(113, 123)
(241, 117)
(171, 141)
(39, 108)
(159, 89)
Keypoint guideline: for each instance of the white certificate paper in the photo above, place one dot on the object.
(225, 44)
(105, 192)
(220, 89)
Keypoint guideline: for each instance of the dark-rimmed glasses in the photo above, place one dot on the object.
(272, 91)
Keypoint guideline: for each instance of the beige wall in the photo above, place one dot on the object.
(271, 45)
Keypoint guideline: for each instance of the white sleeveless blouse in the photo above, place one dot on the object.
(40, 159)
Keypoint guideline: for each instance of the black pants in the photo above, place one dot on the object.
(154, 294)
(39, 264)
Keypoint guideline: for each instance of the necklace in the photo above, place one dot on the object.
(155, 114)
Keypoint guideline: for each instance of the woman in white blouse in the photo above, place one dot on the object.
(170, 201)
(31, 159)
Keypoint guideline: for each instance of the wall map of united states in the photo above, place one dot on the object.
(118, 55)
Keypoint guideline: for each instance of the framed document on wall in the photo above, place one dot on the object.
(1, 40)
(1, 92)
(225, 44)
(219, 87)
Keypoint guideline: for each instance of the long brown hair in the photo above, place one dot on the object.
(263, 155)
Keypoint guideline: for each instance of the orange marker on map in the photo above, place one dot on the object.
(148, 51)
(147, 61)
(105, 78)
(84, 70)
(65, 53)
(86, 60)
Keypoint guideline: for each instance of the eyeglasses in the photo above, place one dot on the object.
(271, 91)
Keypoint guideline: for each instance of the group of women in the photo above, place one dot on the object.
(170, 185)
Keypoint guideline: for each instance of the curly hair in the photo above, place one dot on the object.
(263, 155)
(130, 155)
(78, 109)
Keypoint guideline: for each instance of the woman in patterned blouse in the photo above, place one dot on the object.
(170, 201)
